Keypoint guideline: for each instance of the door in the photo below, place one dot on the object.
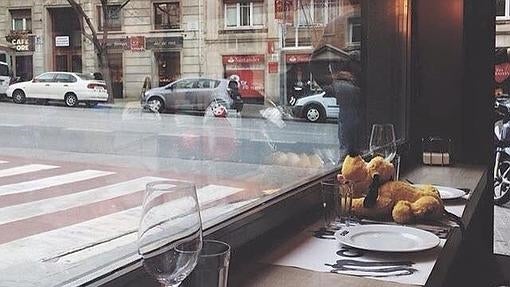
(68, 63)
(63, 84)
(42, 87)
(205, 93)
(24, 68)
(181, 94)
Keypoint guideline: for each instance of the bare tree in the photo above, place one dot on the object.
(100, 44)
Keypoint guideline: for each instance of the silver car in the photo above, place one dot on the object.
(195, 94)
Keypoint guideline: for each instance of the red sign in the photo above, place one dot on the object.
(243, 59)
(283, 11)
(137, 43)
(297, 58)
(272, 67)
(270, 47)
(501, 72)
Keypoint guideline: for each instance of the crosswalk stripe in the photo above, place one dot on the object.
(52, 181)
(33, 249)
(54, 204)
(3, 161)
(25, 169)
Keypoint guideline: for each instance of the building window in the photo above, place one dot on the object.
(114, 17)
(316, 12)
(502, 9)
(355, 30)
(167, 15)
(244, 14)
(21, 20)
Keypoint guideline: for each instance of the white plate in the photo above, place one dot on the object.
(446, 192)
(387, 238)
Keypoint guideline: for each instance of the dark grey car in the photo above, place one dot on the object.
(195, 94)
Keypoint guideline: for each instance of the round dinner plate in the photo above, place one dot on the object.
(446, 192)
(387, 238)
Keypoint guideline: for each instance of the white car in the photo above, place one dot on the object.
(315, 108)
(5, 78)
(72, 88)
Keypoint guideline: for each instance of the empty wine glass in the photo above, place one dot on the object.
(382, 141)
(170, 231)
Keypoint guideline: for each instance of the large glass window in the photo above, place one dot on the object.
(244, 14)
(167, 15)
(254, 114)
(21, 20)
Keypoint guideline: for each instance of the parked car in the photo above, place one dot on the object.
(5, 78)
(315, 108)
(196, 94)
(72, 88)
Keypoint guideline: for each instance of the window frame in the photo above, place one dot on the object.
(354, 21)
(238, 16)
(25, 26)
(507, 12)
(155, 9)
(311, 12)
(100, 18)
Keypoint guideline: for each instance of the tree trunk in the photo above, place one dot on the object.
(104, 66)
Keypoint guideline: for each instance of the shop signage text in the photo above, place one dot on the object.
(297, 58)
(62, 41)
(23, 44)
(137, 43)
(243, 59)
(162, 43)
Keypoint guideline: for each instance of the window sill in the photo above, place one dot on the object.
(243, 30)
(177, 30)
(111, 32)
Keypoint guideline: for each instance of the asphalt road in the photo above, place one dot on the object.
(72, 179)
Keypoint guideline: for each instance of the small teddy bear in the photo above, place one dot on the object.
(386, 198)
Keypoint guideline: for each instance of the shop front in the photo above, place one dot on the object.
(23, 45)
(66, 40)
(167, 54)
(116, 48)
(251, 72)
(298, 77)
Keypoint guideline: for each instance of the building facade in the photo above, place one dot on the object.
(265, 43)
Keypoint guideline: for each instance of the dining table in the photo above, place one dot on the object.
(305, 253)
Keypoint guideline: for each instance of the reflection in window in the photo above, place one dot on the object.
(167, 15)
(114, 18)
(21, 20)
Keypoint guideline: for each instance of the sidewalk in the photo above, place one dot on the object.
(249, 110)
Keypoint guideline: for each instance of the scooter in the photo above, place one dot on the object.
(502, 144)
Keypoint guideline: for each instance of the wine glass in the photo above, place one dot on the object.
(170, 231)
(382, 141)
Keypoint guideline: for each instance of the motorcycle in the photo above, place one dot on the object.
(502, 154)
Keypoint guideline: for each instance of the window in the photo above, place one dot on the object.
(45, 78)
(114, 18)
(185, 84)
(21, 20)
(207, 84)
(244, 14)
(354, 30)
(4, 70)
(167, 15)
(316, 12)
(65, 78)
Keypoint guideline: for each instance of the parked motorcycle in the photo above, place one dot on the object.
(502, 144)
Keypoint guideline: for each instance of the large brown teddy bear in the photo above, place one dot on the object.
(386, 198)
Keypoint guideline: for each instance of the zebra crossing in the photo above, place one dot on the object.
(56, 221)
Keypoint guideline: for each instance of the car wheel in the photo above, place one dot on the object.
(19, 97)
(71, 100)
(156, 105)
(314, 113)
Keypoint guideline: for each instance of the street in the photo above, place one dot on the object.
(72, 179)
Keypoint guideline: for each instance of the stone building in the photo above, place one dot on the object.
(265, 45)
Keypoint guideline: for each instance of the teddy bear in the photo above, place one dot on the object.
(385, 198)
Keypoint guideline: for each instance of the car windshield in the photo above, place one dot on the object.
(4, 70)
(86, 77)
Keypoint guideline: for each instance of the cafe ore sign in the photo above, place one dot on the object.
(23, 44)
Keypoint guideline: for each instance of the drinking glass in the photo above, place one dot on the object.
(170, 231)
(337, 202)
(212, 266)
(382, 141)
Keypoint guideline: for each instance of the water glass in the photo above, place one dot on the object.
(212, 266)
(336, 202)
(382, 141)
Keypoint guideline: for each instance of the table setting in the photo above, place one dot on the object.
(374, 224)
